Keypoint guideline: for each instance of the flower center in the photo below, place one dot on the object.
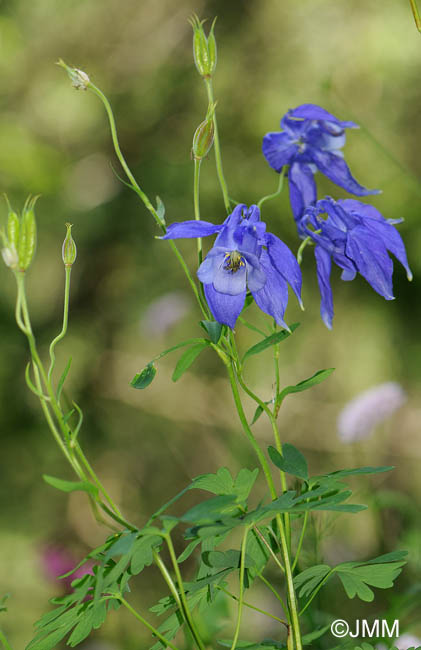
(233, 261)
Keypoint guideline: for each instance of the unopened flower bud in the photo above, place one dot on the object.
(79, 79)
(203, 138)
(69, 251)
(204, 48)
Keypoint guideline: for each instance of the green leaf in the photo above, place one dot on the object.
(122, 545)
(63, 379)
(160, 209)
(258, 412)
(188, 551)
(210, 510)
(187, 359)
(3, 600)
(340, 473)
(82, 629)
(308, 580)
(219, 483)
(213, 328)
(143, 552)
(273, 339)
(315, 379)
(71, 486)
(380, 572)
(226, 559)
(291, 461)
(144, 378)
(244, 483)
(312, 636)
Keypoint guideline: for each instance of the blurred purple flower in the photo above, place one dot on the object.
(368, 409)
(57, 560)
(164, 312)
(311, 140)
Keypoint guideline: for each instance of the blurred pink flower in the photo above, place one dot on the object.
(57, 560)
(404, 642)
(361, 415)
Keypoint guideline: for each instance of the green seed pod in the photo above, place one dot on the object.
(69, 251)
(27, 235)
(203, 139)
(13, 229)
(204, 49)
(212, 49)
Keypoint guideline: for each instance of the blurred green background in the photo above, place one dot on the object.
(360, 60)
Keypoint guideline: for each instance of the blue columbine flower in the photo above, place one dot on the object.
(244, 256)
(357, 238)
(311, 139)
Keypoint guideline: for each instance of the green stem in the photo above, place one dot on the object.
(248, 431)
(196, 204)
(147, 203)
(68, 271)
(300, 542)
(416, 14)
(278, 191)
(300, 251)
(250, 606)
(275, 593)
(292, 600)
(241, 597)
(185, 607)
(269, 548)
(217, 146)
(150, 627)
(42, 378)
(4, 641)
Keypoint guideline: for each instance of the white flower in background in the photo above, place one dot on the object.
(164, 312)
(404, 642)
(362, 414)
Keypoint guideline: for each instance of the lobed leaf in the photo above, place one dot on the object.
(291, 461)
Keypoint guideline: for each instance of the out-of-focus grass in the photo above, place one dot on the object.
(359, 60)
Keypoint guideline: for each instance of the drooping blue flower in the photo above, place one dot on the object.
(244, 256)
(358, 239)
(311, 140)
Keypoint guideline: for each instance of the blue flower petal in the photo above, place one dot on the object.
(314, 112)
(382, 228)
(191, 229)
(285, 263)
(279, 149)
(212, 261)
(335, 168)
(302, 188)
(230, 282)
(324, 265)
(273, 297)
(369, 255)
(225, 309)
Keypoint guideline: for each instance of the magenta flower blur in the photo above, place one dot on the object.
(358, 239)
(311, 140)
(244, 256)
